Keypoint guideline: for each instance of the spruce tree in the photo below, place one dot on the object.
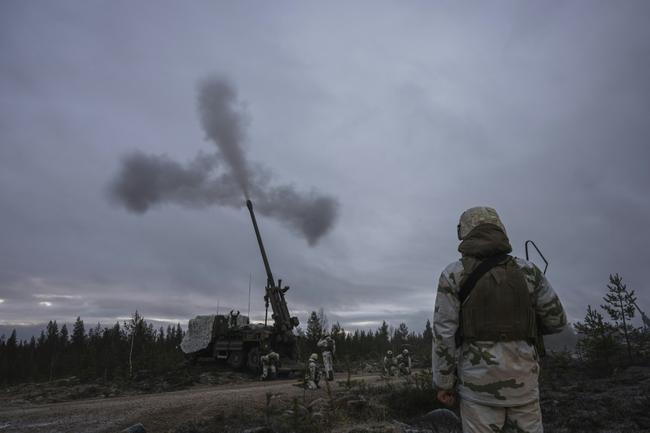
(399, 336)
(78, 333)
(314, 330)
(77, 344)
(428, 332)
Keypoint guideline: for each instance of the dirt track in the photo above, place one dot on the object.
(158, 412)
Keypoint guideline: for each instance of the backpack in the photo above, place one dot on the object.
(496, 304)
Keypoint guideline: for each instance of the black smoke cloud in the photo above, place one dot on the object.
(222, 178)
(223, 124)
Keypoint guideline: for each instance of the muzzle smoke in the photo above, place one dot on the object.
(222, 178)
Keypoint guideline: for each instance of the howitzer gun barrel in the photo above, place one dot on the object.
(269, 275)
(274, 291)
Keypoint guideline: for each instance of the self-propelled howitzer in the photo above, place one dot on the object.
(232, 338)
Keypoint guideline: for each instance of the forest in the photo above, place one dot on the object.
(607, 339)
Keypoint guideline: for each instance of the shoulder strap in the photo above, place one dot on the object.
(484, 267)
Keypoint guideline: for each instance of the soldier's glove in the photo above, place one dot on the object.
(447, 397)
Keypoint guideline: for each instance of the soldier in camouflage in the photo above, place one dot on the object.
(390, 364)
(312, 376)
(404, 363)
(328, 348)
(496, 378)
(270, 363)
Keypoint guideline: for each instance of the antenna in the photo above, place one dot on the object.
(217, 307)
(250, 280)
(538, 252)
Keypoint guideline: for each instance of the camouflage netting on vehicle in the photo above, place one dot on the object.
(199, 334)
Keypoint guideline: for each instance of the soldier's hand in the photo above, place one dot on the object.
(447, 397)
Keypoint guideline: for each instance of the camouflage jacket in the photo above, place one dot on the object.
(488, 372)
(327, 344)
(271, 358)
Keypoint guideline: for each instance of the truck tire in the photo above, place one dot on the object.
(236, 359)
(253, 362)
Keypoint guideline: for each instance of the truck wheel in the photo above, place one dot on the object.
(236, 359)
(253, 362)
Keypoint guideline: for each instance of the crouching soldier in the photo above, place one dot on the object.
(270, 363)
(328, 348)
(313, 372)
(404, 363)
(390, 364)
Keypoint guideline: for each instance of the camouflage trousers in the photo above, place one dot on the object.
(328, 365)
(266, 369)
(478, 418)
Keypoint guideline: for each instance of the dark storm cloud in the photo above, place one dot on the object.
(147, 180)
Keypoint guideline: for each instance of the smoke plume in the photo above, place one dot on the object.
(223, 124)
(221, 178)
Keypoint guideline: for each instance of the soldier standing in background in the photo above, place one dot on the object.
(328, 348)
(390, 364)
(489, 309)
(313, 372)
(270, 363)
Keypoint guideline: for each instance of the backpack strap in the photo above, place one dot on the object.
(484, 267)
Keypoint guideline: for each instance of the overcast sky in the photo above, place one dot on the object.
(406, 112)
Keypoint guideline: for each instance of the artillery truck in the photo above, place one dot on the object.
(233, 339)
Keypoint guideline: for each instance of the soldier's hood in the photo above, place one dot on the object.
(485, 240)
(474, 217)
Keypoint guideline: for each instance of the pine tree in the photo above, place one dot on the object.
(619, 305)
(382, 338)
(597, 342)
(179, 335)
(427, 344)
(135, 328)
(78, 333)
(77, 344)
(63, 336)
(428, 332)
(52, 347)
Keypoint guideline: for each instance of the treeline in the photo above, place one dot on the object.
(123, 350)
(366, 345)
(611, 340)
(107, 353)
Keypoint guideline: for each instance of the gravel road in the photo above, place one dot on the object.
(157, 412)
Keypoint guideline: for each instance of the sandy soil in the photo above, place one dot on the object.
(157, 412)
